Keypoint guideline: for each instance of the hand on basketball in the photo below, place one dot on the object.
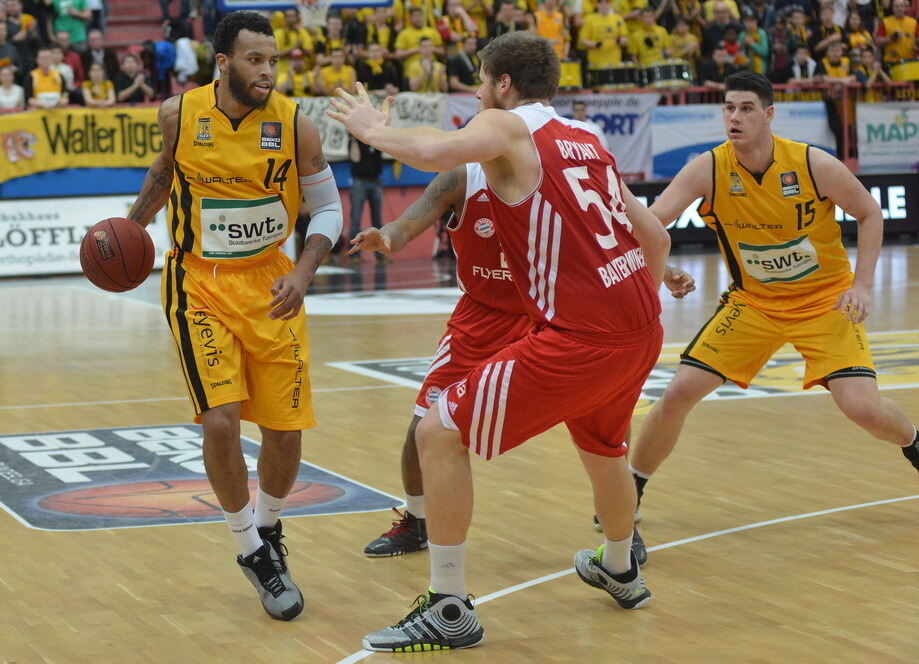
(854, 303)
(288, 292)
(678, 282)
(371, 239)
(358, 113)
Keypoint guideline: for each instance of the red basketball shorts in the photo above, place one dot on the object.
(475, 332)
(549, 377)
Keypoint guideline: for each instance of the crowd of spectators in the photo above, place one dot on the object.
(53, 52)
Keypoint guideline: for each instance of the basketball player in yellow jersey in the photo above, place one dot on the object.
(236, 159)
(772, 203)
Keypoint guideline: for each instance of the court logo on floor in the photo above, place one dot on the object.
(143, 476)
(896, 358)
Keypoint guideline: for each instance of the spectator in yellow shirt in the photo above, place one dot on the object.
(409, 39)
(481, 11)
(602, 35)
(98, 91)
(47, 83)
(292, 37)
(550, 24)
(296, 80)
(685, 45)
(426, 74)
(896, 34)
(630, 10)
(650, 44)
(335, 75)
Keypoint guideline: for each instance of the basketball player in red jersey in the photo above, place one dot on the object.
(489, 316)
(587, 259)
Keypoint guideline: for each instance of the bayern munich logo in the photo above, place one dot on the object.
(432, 395)
(484, 227)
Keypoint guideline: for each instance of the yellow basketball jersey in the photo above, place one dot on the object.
(779, 237)
(235, 192)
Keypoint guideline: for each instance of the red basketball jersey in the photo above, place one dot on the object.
(568, 244)
(481, 270)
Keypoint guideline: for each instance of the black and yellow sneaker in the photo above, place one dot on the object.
(407, 535)
(438, 622)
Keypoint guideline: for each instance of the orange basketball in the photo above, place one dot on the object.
(117, 254)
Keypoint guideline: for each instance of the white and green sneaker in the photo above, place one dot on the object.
(438, 622)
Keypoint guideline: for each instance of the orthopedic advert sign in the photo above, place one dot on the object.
(43, 235)
(680, 133)
(37, 141)
(888, 135)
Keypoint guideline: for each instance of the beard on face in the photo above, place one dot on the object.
(240, 91)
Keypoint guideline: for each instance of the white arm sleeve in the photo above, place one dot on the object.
(320, 193)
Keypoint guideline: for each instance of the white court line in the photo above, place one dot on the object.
(117, 401)
(362, 654)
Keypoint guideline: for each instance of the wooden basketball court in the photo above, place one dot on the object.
(779, 531)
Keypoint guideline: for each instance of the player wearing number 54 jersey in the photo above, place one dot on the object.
(771, 202)
(586, 258)
(236, 160)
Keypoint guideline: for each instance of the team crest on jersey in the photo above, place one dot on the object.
(790, 186)
(736, 188)
(271, 136)
(432, 395)
(484, 227)
(204, 130)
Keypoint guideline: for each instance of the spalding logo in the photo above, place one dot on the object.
(105, 247)
(484, 227)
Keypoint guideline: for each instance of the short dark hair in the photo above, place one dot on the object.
(579, 102)
(528, 59)
(748, 81)
(229, 27)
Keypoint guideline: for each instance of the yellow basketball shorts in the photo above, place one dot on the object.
(739, 339)
(228, 347)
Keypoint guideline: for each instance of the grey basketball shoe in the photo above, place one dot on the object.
(281, 598)
(273, 535)
(627, 589)
(438, 622)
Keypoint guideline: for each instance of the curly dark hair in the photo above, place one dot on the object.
(528, 59)
(229, 27)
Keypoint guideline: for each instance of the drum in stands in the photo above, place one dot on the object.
(905, 70)
(622, 76)
(571, 75)
(668, 74)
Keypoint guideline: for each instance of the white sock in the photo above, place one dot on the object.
(448, 569)
(242, 525)
(414, 505)
(267, 509)
(617, 556)
(642, 475)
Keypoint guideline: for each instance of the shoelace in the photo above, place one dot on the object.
(268, 576)
(421, 603)
(281, 548)
(401, 525)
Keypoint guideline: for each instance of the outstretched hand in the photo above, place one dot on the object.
(371, 239)
(357, 113)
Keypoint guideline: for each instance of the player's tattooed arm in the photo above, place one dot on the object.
(445, 192)
(158, 182)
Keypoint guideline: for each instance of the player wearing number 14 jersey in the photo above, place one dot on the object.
(586, 258)
(236, 159)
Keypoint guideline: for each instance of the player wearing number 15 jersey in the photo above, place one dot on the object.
(586, 258)
(236, 159)
(772, 203)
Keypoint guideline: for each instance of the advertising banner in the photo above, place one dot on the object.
(43, 235)
(36, 141)
(333, 133)
(888, 135)
(680, 133)
(626, 121)
(624, 118)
